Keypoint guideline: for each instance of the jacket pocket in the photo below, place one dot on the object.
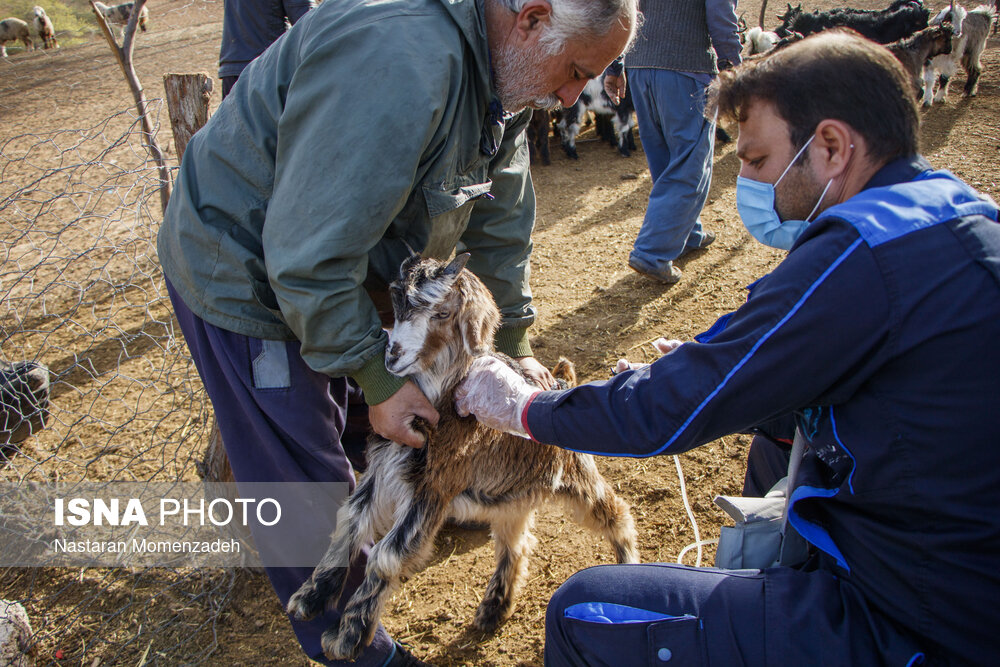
(677, 641)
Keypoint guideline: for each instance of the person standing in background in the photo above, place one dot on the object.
(681, 47)
(249, 27)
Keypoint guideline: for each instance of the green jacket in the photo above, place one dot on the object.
(365, 128)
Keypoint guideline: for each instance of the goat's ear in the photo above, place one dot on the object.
(479, 322)
(457, 264)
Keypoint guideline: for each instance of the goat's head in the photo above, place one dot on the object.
(445, 317)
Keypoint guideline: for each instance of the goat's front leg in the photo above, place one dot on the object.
(514, 542)
(400, 553)
(325, 585)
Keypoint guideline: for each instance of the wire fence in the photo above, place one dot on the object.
(81, 293)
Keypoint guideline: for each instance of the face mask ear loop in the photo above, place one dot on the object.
(820, 201)
(828, 184)
(794, 159)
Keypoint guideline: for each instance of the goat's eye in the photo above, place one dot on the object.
(443, 315)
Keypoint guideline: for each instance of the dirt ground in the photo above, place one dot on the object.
(592, 309)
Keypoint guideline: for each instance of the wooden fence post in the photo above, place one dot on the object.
(188, 100)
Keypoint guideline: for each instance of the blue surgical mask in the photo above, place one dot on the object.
(755, 203)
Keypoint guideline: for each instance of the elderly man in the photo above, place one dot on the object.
(369, 128)
(877, 332)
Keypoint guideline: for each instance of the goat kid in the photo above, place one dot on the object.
(971, 30)
(914, 51)
(614, 123)
(120, 14)
(445, 318)
(44, 28)
(12, 30)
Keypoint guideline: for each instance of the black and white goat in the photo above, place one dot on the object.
(24, 400)
(971, 29)
(899, 20)
(914, 51)
(120, 14)
(12, 30)
(445, 318)
(44, 28)
(614, 123)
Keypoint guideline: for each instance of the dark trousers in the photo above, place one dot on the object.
(659, 614)
(280, 422)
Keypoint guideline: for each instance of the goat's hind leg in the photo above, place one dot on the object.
(597, 507)
(513, 542)
(325, 585)
(400, 553)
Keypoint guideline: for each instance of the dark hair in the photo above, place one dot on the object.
(834, 74)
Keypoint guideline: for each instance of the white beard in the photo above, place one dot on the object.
(520, 78)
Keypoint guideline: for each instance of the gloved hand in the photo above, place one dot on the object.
(496, 394)
(662, 345)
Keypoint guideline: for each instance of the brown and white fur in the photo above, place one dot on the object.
(971, 31)
(12, 30)
(445, 318)
(46, 31)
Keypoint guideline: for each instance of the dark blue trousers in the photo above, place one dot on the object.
(660, 614)
(280, 422)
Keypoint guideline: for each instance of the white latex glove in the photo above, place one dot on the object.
(661, 345)
(496, 394)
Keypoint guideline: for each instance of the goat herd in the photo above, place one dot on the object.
(14, 29)
(930, 49)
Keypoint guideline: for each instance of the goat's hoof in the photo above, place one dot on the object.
(490, 615)
(343, 641)
(307, 603)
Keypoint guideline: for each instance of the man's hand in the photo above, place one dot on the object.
(614, 86)
(392, 417)
(662, 345)
(495, 394)
(537, 373)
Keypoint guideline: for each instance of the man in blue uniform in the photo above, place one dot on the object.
(878, 333)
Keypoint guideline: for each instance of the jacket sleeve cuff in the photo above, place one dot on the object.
(513, 342)
(376, 382)
(537, 416)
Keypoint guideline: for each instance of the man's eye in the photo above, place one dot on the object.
(443, 315)
(756, 163)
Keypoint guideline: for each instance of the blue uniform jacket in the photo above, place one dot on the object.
(881, 332)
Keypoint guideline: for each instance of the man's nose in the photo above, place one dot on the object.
(569, 93)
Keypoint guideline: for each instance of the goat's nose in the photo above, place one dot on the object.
(394, 350)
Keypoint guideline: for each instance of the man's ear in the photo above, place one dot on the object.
(832, 148)
(534, 15)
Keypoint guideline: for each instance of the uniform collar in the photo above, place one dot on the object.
(900, 170)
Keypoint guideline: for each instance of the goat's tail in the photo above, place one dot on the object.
(565, 373)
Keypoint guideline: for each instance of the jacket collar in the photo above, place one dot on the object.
(470, 16)
(900, 170)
